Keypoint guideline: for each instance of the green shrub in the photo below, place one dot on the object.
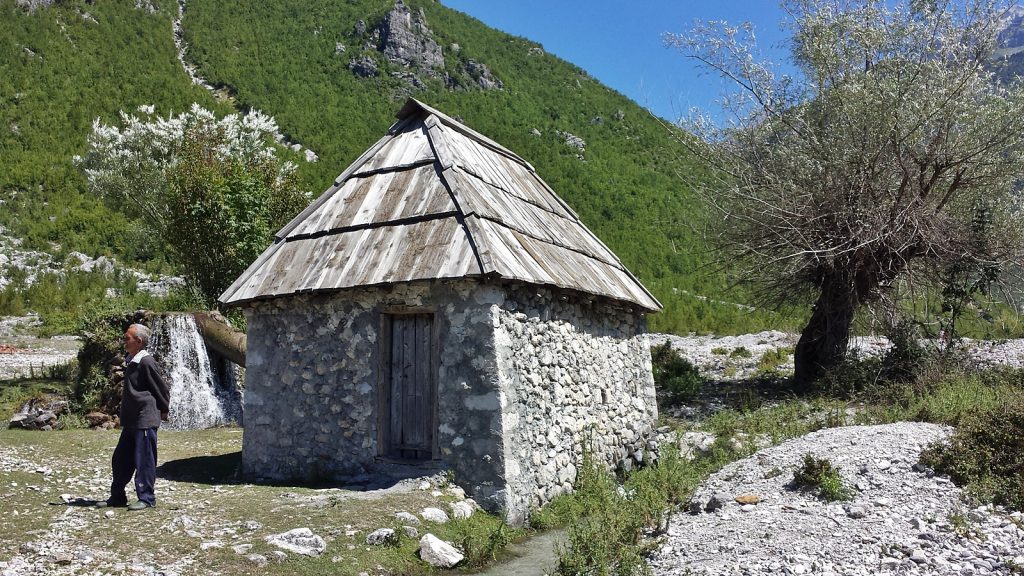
(741, 352)
(719, 351)
(986, 453)
(851, 376)
(906, 358)
(71, 421)
(772, 359)
(674, 376)
(65, 371)
(101, 333)
(605, 534)
(821, 475)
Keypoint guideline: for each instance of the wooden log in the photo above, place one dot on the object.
(221, 337)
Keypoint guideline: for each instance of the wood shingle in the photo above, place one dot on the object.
(431, 200)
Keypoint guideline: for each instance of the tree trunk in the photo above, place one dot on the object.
(824, 340)
(221, 337)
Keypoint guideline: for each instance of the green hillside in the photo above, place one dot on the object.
(63, 65)
(60, 68)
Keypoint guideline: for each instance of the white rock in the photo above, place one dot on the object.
(408, 518)
(299, 541)
(381, 536)
(434, 515)
(437, 552)
(461, 509)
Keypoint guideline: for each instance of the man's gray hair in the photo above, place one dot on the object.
(142, 333)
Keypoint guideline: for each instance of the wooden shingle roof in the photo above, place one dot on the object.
(434, 200)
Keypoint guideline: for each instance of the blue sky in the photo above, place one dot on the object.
(619, 42)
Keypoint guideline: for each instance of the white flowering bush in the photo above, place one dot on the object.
(213, 190)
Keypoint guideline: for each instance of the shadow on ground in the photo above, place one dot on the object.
(221, 469)
(226, 469)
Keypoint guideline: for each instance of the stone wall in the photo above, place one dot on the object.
(526, 377)
(575, 375)
(309, 400)
(311, 383)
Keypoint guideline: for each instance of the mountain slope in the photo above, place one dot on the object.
(333, 73)
(60, 68)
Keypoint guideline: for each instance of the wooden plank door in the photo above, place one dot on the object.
(409, 390)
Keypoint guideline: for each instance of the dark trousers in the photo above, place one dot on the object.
(135, 454)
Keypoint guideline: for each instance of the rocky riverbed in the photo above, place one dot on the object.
(22, 354)
(737, 357)
(902, 518)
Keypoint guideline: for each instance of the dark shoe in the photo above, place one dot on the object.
(140, 505)
(109, 504)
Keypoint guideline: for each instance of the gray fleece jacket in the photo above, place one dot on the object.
(145, 395)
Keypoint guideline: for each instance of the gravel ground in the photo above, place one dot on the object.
(717, 356)
(902, 519)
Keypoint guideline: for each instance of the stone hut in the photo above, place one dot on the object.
(440, 307)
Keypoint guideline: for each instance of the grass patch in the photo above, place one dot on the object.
(947, 399)
(741, 352)
(200, 499)
(772, 359)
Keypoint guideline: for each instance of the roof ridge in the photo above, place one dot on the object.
(440, 148)
(413, 105)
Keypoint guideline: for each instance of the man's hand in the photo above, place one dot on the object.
(163, 416)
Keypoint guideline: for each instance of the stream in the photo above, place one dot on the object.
(532, 557)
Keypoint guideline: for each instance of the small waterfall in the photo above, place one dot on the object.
(203, 393)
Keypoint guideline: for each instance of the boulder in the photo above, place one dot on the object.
(434, 515)
(408, 518)
(461, 509)
(439, 553)
(717, 502)
(97, 419)
(483, 76)
(39, 413)
(405, 39)
(364, 67)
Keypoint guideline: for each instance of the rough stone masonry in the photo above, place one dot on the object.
(528, 378)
